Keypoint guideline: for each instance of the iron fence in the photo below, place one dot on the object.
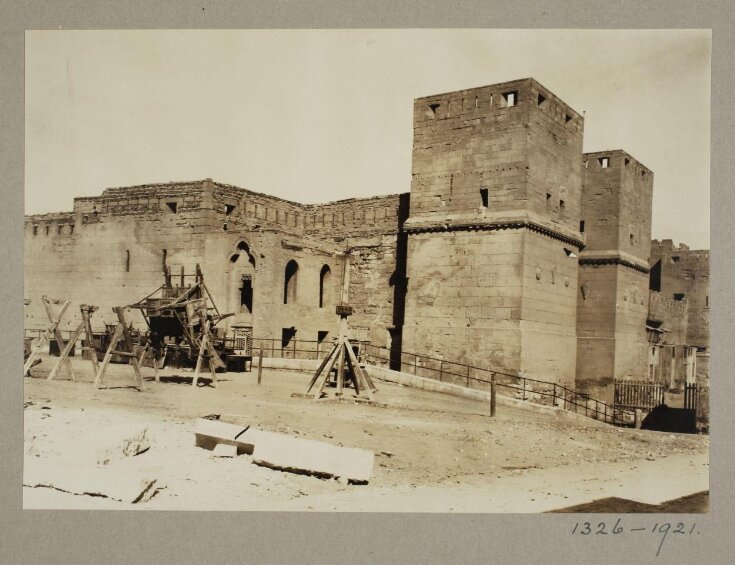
(515, 384)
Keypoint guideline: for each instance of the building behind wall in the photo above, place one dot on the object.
(679, 286)
(512, 251)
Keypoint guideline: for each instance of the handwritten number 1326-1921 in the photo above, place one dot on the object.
(664, 529)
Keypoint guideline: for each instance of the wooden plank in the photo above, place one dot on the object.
(325, 374)
(86, 312)
(318, 371)
(65, 353)
(54, 320)
(106, 361)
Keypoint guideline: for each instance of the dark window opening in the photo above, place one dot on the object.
(434, 107)
(321, 335)
(484, 196)
(47, 229)
(35, 230)
(246, 294)
(627, 161)
(541, 99)
(172, 206)
(229, 209)
(562, 205)
(548, 198)
(567, 118)
(325, 277)
(581, 226)
(655, 277)
(604, 162)
(632, 239)
(643, 173)
(706, 301)
(127, 260)
(71, 229)
(289, 286)
(675, 258)
(511, 98)
(679, 296)
(287, 335)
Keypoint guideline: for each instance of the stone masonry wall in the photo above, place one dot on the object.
(685, 272)
(110, 251)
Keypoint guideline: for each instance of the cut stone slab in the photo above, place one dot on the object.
(225, 450)
(106, 482)
(126, 441)
(310, 457)
(210, 433)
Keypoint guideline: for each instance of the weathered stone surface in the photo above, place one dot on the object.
(210, 433)
(279, 451)
(224, 450)
(125, 441)
(92, 481)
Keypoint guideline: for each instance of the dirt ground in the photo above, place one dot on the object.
(434, 452)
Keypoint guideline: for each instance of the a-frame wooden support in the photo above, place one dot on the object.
(86, 326)
(52, 331)
(344, 356)
(206, 351)
(122, 332)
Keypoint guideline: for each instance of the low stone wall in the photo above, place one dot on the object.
(432, 385)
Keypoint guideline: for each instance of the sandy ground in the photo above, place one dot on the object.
(434, 452)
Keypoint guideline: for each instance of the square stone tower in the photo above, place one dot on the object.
(617, 194)
(493, 229)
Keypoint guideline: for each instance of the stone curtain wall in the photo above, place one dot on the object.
(686, 271)
(110, 252)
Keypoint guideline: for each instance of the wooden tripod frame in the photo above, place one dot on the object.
(122, 332)
(86, 326)
(52, 331)
(342, 354)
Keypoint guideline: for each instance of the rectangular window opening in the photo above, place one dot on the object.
(172, 206)
(287, 336)
(562, 205)
(35, 230)
(511, 98)
(229, 208)
(541, 99)
(627, 161)
(679, 296)
(581, 226)
(484, 196)
(604, 162)
(127, 260)
(567, 118)
(675, 258)
(246, 294)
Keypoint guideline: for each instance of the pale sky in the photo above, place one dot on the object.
(320, 115)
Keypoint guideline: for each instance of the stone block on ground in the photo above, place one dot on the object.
(224, 450)
(310, 457)
(210, 433)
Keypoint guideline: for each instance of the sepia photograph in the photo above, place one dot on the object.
(367, 270)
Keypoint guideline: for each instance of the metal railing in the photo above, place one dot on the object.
(515, 384)
(297, 348)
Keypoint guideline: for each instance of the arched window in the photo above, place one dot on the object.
(325, 288)
(289, 286)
